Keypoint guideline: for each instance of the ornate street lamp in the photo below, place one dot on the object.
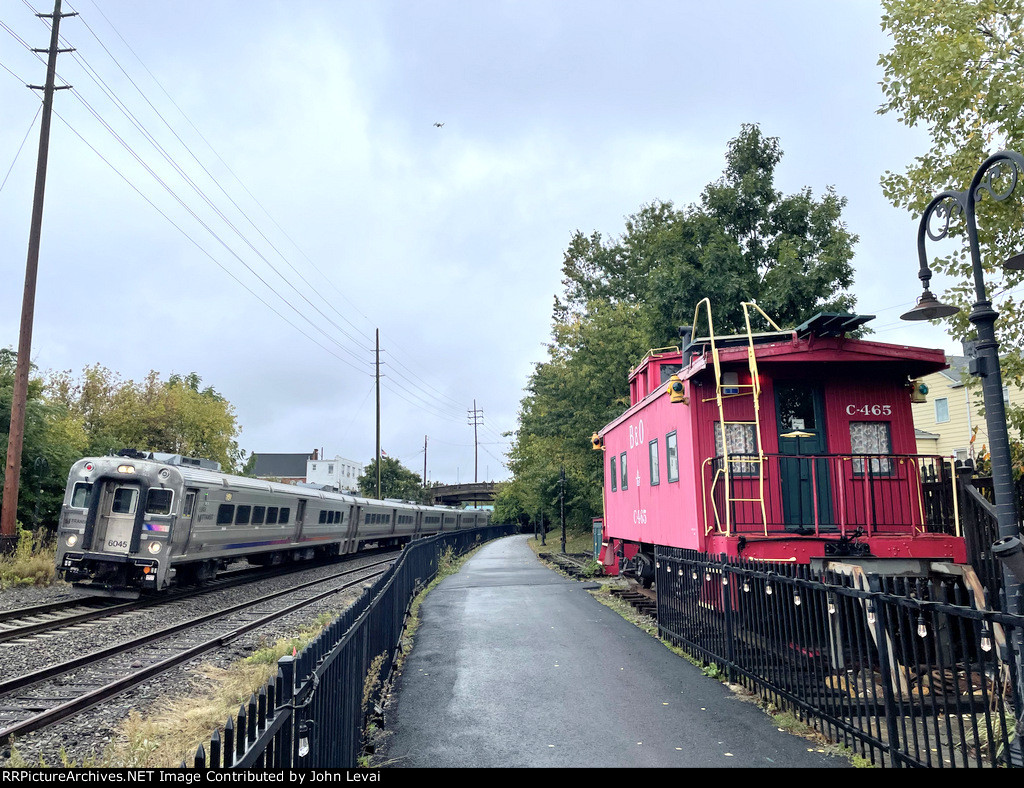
(985, 365)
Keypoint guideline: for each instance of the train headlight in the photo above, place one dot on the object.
(71, 540)
(154, 547)
(126, 469)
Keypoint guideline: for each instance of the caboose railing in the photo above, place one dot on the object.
(874, 493)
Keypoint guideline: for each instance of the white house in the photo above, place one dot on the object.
(339, 473)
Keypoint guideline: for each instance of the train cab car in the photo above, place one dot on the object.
(795, 446)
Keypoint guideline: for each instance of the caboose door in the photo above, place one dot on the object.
(803, 472)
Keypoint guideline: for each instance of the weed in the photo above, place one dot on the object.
(31, 563)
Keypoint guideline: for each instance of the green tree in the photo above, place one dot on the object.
(53, 440)
(175, 416)
(957, 68)
(743, 241)
(396, 481)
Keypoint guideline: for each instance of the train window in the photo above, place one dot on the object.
(323, 516)
(272, 515)
(82, 495)
(672, 456)
(259, 513)
(225, 513)
(741, 440)
(623, 477)
(284, 515)
(159, 502)
(125, 500)
(652, 450)
(242, 515)
(611, 473)
(387, 518)
(871, 437)
(190, 504)
(339, 517)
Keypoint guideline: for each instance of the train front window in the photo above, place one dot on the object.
(125, 500)
(159, 502)
(81, 495)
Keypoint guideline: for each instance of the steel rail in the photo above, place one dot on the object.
(68, 708)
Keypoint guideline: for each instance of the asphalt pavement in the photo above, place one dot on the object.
(516, 666)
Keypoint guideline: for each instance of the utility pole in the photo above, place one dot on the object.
(19, 398)
(378, 412)
(561, 503)
(476, 416)
(424, 462)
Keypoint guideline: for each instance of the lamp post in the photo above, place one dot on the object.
(985, 365)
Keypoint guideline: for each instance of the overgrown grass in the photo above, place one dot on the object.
(31, 563)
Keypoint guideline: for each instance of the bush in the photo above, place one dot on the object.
(31, 563)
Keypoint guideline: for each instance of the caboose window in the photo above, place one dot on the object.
(741, 440)
(82, 495)
(672, 456)
(871, 437)
(652, 450)
(623, 483)
(159, 502)
(668, 370)
(225, 513)
(611, 473)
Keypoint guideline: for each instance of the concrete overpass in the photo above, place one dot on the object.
(457, 494)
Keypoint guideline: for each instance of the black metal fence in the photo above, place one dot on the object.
(314, 713)
(905, 671)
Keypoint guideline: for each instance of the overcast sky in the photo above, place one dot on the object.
(319, 201)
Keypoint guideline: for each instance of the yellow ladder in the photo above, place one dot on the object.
(754, 389)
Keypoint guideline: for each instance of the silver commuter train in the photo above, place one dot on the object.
(130, 525)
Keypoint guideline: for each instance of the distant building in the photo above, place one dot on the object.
(288, 468)
(947, 420)
(338, 473)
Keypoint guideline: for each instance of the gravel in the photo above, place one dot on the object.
(85, 739)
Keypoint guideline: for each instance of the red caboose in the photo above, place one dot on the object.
(793, 446)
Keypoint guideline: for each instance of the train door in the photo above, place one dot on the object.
(300, 516)
(804, 475)
(183, 525)
(117, 510)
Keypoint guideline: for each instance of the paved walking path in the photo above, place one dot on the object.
(516, 666)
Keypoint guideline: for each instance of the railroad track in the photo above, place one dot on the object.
(642, 600)
(55, 693)
(17, 626)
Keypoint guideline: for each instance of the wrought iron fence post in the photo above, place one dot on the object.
(881, 626)
(286, 691)
(726, 587)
